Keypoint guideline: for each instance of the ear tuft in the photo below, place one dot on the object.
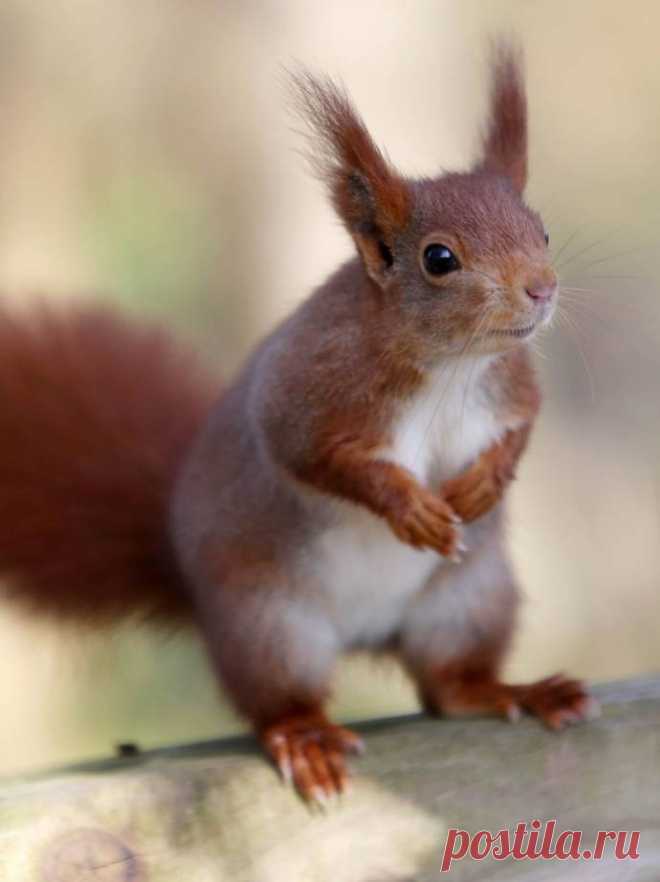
(505, 141)
(371, 198)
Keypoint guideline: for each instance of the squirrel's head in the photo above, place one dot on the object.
(462, 256)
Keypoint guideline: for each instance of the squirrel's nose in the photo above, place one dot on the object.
(541, 292)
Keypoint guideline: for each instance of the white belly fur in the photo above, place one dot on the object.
(367, 573)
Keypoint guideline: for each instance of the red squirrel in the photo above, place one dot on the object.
(346, 491)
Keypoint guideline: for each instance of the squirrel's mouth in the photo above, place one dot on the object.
(513, 332)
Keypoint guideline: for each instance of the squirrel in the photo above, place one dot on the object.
(346, 491)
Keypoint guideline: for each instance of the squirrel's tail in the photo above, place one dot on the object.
(96, 414)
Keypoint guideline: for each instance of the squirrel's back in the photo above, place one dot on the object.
(96, 414)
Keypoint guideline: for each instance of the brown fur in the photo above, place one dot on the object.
(505, 142)
(95, 416)
(368, 194)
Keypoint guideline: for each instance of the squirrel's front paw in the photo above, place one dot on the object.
(424, 520)
(477, 490)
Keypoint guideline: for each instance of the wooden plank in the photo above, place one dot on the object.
(216, 811)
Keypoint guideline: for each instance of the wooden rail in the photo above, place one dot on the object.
(216, 811)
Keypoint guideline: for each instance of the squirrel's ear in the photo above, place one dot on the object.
(505, 141)
(370, 197)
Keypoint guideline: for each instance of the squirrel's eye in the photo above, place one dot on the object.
(546, 236)
(439, 260)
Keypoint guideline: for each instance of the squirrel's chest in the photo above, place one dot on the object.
(368, 575)
(445, 426)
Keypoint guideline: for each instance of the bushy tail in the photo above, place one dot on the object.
(95, 416)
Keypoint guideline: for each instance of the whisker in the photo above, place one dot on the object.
(569, 239)
(628, 277)
(535, 344)
(591, 245)
(589, 312)
(563, 316)
(616, 256)
(479, 331)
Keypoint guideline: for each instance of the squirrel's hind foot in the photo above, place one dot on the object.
(310, 753)
(557, 701)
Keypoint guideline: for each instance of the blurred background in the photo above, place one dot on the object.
(148, 158)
